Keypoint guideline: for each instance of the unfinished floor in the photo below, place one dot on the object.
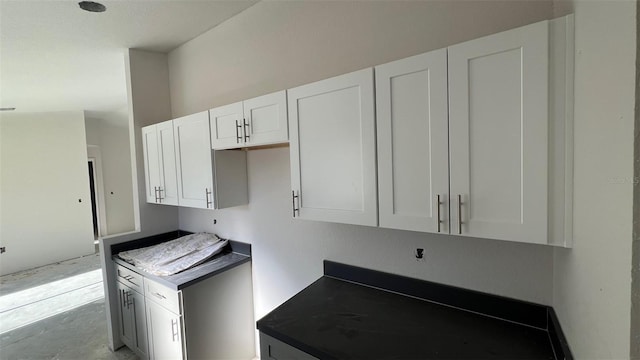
(56, 312)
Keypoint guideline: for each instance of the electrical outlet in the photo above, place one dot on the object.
(419, 254)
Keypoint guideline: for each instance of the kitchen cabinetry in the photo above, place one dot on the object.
(413, 169)
(166, 337)
(485, 166)
(207, 179)
(202, 313)
(160, 163)
(258, 121)
(332, 147)
(131, 310)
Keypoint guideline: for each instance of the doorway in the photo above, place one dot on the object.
(94, 199)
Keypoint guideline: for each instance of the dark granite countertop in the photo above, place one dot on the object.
(337, 319)
(234, 254)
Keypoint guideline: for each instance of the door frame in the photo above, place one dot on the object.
(94, 155)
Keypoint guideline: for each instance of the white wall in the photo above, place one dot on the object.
(278, 45)
(147, 75)
(110, 133)
(592, 281)
(43, 171)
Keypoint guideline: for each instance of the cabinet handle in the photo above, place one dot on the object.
(206, 194)
(160, 190)
(159, 295)
(459, 214)
(438, 203)
(174, 330)
(238, 137)
(293, 203)
(127, 300)
(245, 129)
(155, 192)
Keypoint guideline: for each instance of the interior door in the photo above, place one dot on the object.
(498, 114)
(412, 124)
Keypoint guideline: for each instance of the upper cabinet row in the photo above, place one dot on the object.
(182, 169)
(473, 140)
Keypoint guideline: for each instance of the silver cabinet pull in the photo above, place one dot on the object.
(174, 330)
(160, 190)
(293, 203)
(206, 195)
(245, 125)
(155, 192)
(438, 203)
(159, 295)
(459, 214)
(238, 137)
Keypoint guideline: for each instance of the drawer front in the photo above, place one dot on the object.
(162, 295)
(129, 278)
(273, 349)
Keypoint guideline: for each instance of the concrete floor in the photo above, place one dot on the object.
(56, 312)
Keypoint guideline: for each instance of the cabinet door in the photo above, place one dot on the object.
(498, 110)
(126, 315)
(333, 160)
(165, 333)
(139, 341)
(193, 160)
(266, 119)
(412, 121)
(168, 192)
(151, 162)
(227, 126)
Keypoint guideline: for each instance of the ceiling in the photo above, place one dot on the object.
(56, 57)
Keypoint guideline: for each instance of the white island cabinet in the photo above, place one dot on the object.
(332, 147)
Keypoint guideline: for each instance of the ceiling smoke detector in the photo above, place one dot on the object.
(92, 6)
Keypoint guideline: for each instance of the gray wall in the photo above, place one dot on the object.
(45, 203)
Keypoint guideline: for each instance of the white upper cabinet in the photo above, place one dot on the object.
(151, 162)
(226, 126)
(498, 135)
(160, 163)
(333, 159)
(254, 122)
(207, 179)
(193, 159)
(413, 169)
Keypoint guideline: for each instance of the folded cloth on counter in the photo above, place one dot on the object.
(173, 256)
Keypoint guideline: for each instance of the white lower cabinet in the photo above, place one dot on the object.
(165, 332)
(332, 147)
(133, 326)
(211, 319)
